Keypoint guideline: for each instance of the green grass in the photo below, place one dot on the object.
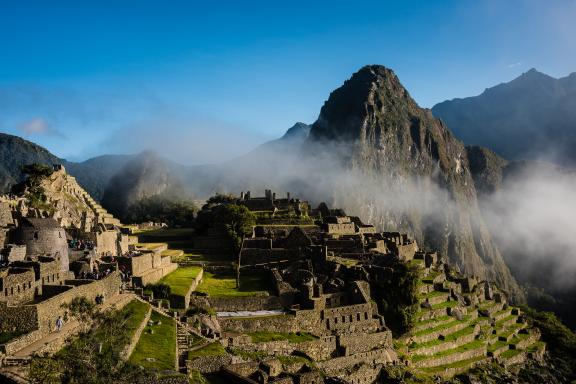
(463, 348)
(442, 326)
(134, 312)
(536, 346)
(499, 323)
(181, 279)
(434, 320)
(161, 345)
(457, 364)
(224, 285)
(212, 349)
(497, 345)
(449, 338)
(446, 304)
(264, 336)
(432, 294)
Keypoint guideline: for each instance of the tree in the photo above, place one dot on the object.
(236, 220)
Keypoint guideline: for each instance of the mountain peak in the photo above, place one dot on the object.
(297, 131)
(372, 89)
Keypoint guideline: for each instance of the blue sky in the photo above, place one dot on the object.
(206, 81)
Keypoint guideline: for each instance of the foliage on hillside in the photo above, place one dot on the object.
(32, 188)
(176, 212)
(95, 356)
(397, 297)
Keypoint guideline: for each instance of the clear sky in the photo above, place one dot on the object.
(208, 80)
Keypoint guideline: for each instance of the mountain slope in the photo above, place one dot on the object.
(395, 148)
(16, 152)
(531, 117)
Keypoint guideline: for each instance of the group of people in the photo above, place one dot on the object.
(95, 274)
(80, 245)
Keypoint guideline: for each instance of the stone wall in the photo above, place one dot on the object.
(179, 301)
(21, 318)
(247, 303)
(280, 323)
(18, 286)
(319, 349)
(49, 310)
(364, 342)
(378, 356)
(46, 242)
(209, 364)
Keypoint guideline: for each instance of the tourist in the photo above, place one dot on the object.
(59, 323)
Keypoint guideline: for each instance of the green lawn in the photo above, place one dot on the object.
(224, 285)
(160, 345)
(212, 349)
(264, 336)
(133, 313)
(463, 348)
(181, 279)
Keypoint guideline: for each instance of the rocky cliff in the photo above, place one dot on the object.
(529, 118)
(400, 149)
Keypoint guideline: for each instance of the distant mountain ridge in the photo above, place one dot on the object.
(531, 117)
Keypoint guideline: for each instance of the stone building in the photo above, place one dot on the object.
(44, 237)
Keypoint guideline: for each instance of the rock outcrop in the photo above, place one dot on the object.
(401, 148)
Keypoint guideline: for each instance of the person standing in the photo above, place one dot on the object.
(59, 323)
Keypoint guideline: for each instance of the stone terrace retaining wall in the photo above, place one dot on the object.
(378, 356)
(134, 340)
(280, 323)
(247, 303)
(179, 301)
(434, 335)
(443, 360)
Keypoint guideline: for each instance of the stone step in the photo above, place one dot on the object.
(452, 369)
(512, 357)
(426, 324)
(471, 350)
(433, 333)
(450, 341)
(509, 332)
(435, 297)
(499, 315)
(497, 348)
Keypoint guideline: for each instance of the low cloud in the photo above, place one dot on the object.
(38, 126)
(514, 65)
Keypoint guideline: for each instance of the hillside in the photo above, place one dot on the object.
(531, 117)
(16, 152)
(412, 173)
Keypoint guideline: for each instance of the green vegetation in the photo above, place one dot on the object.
(35, 193)
(95, 355)
(181, 279)
(442, 326)
(463, 348)
(172, 210)
(397, 298)
(160, 290)
(158, 342)
(264, 336)
(560, 340)
(133, 314)
(235, 220)
(224, 284)
(7, 336)
(212, 349)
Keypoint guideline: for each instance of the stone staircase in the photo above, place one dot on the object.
(457, 330)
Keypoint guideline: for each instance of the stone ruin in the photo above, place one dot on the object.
(325, 279)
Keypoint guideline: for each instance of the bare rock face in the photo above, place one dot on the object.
(415, 175)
